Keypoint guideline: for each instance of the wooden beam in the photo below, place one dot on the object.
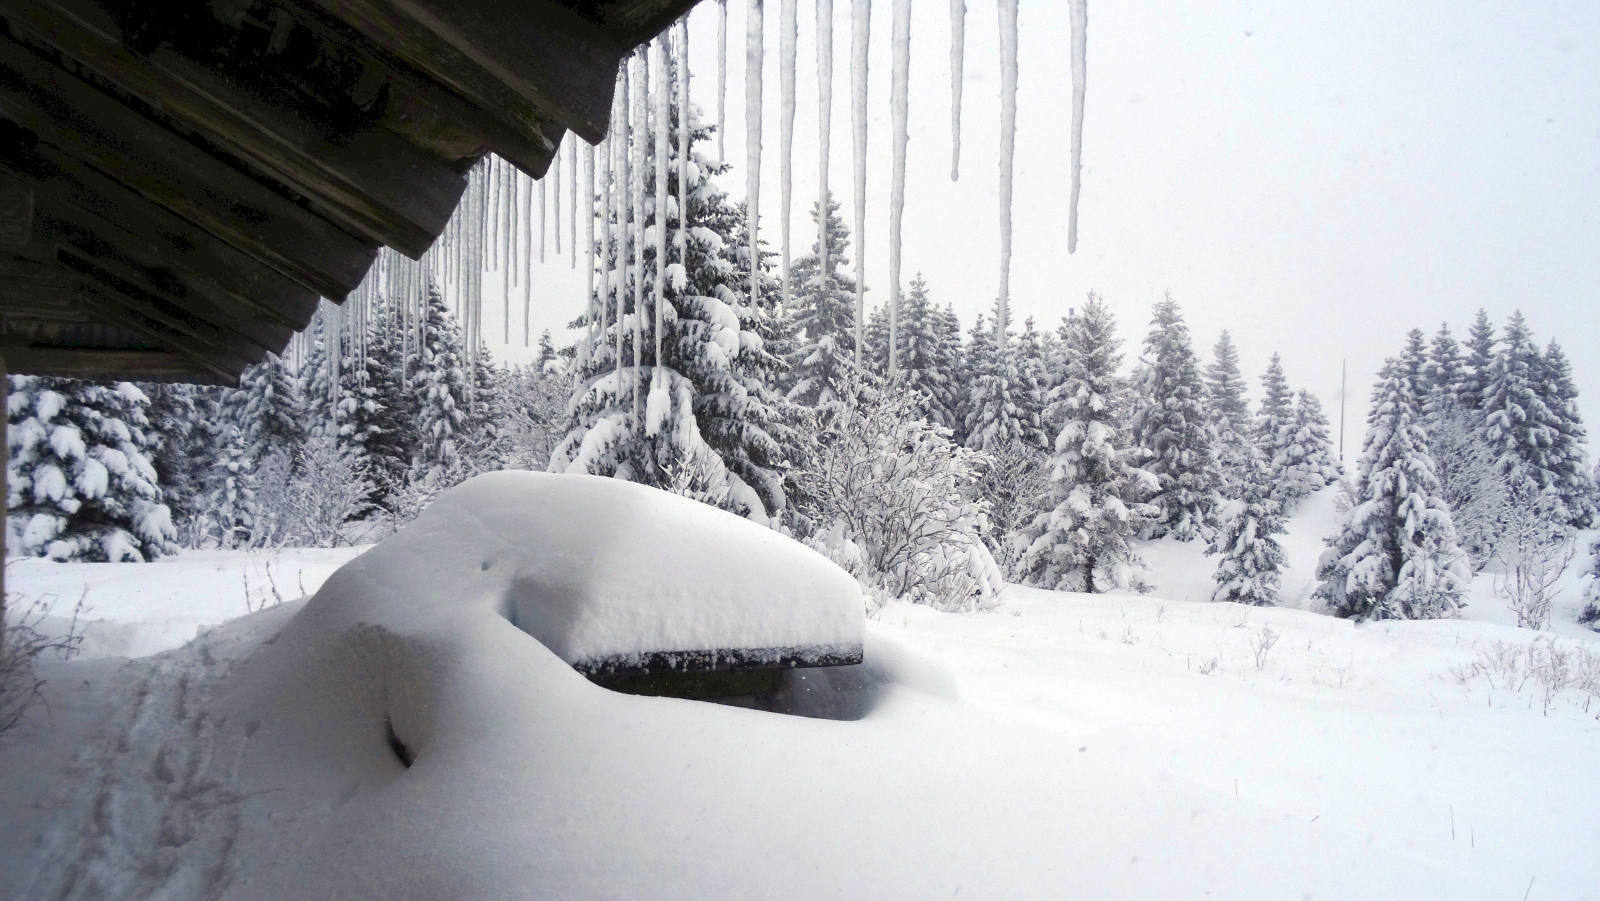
(536, 50)
(104, 219)
(16, 212)
(173, 173)
(40, 301)
(373, 181)
(103, 365)
(504, 122)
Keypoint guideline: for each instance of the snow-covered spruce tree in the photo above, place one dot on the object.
(1395, 556)
(896, 503)
(1230, 413)
(711, 399)
(1274, 418)
(382, 416)
(1446, 380)
(1590, 615)
(825, 316)
(1170, 424)
(1306, 462)
(1567, 457)
(82, 486)
(977, 356)
(1003, 400)
(1252, 558)
(926, 364)
(439, 387)
(1082, 543)
(1518, 423)
(184, 421)
(1481, 355)
(1470, 482)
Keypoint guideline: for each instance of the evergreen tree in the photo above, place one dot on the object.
(1170, 424)
(710, 404)
(269, 410)
(1083, 542)
(1446, 379)
(1518, 423)
(1479, 364)
(1590, 615)
(82, 486)
(1567, 456)
(1396, 555)
(1003, 401)
(1230, 412)
(926, 364)
(439, 384)
(978, 357)
(1307, 458)
(383, 418)
(1252, 558)
(825, 317)
(183, 426)
(1275, 416)
(232, 506)
(547, 352)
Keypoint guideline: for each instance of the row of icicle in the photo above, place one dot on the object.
(493, 228)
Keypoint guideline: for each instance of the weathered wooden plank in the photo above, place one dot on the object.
(16, 212)
(501, 122)
(175, 174)
(632, 22)
(372, 180)
(537, 50)
(110, 220)
(40, 301)
(107, 365)
(225, 360)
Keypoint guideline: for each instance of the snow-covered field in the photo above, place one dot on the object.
(1058, 746)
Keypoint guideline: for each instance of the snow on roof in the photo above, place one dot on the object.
(611, 575)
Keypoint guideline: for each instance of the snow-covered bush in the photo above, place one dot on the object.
(1015, 484)
(82, 486)
(895, 504)
(305, 501)
(1470, 481)
(1591, 590)
(1532, 551)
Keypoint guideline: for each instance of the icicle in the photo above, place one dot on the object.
(624, 192)
(527, 260)
(572, 201)
(511, 269)
(958, 42)
(683, 143)
(722, 79)
(588, 234)
(542, 203)
(1080, 47)
(754, 56)
(604, 297)
(503, 212)
(788, 36)
(555, 189)
(641, 96)
(494, 203)
(860, 35)
(900, 88)
(1008, 152)
(824, 126)
(663, 112)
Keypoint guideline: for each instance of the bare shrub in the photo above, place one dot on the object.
(1532, 550)
(24, 646)
(1261, 645)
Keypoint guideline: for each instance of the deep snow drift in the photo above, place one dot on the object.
(1060, 746)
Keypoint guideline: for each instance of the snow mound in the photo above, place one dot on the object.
(610, 576)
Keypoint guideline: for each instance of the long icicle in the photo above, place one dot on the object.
(555, 190)
(588, 235)
(1079, 12)
(603, 298)
(860, 35)
(641, 95)
(542, 204)
(722, 79)
(572, 201)
(511, 270)
(824, 129)
(958, 50)
(1008, 152)
(683, 143)
(624, 192)
(754, 55)
(788, 37)
(899, 96)
(663, 99)
(527, 259)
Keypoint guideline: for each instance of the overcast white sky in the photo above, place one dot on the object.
(1317, 178)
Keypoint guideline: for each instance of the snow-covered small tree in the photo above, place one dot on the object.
(1083, 541)
(1395, 556)
(1170, 423)
(1276, 411)
(1003, 400)
(825, 316)
(439, 386)
(1481, 355)
(1305, 464)
(896, 503)
(1567, 457)
(1230, 412)
(82, 486)
(1252, 559)
(184, 423)
(1590, 615)
(1446, 379)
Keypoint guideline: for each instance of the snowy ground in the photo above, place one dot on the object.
(1060, 746)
